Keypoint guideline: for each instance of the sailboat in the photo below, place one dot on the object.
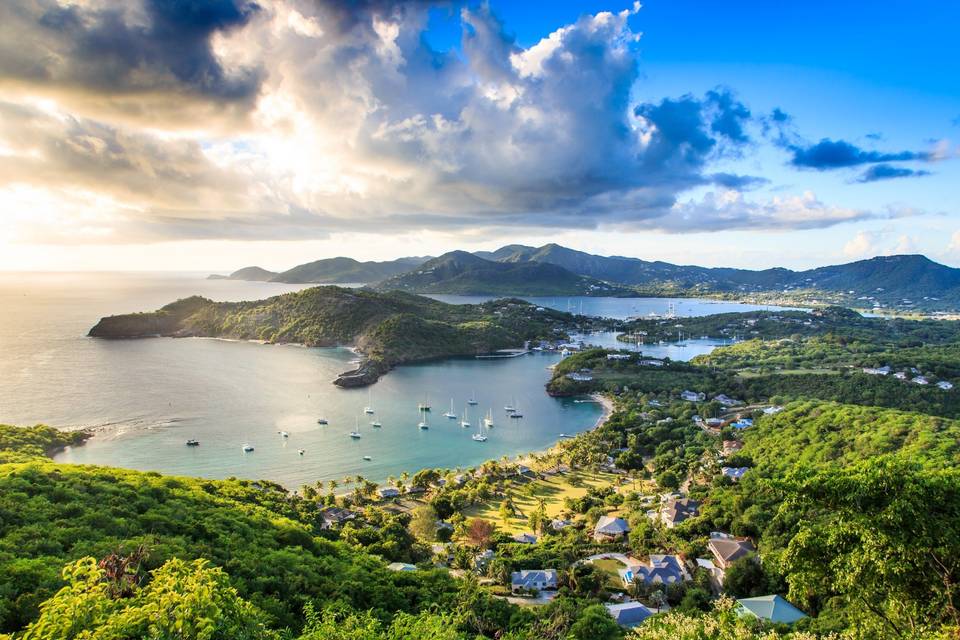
(488, 419)
(510, 408)
(425, 405)
(247, 448)
(376, 424)
(450, 414)
(516, 413)
(355, 434)
(465, 423)
(479, 437)
(423, 420)
(369, 408)
(473, 399)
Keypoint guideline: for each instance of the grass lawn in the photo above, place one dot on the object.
(610, 568)
(552, 489)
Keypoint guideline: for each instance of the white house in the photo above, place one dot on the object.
(533, 580)
(609, 529)
(693, 396)
(946, 386)
(388, 492)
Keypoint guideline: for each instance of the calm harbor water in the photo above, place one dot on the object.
(144, 398)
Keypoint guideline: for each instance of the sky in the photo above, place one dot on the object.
(210, 135)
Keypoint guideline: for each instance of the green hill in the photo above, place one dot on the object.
(250, 274)
(388, 328)
(459, 272)
(343, 270)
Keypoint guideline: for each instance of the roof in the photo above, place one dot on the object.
(608, 525)
(729, 550)
(534, 579)
(679, 510)
(386, 492)
(525, 538)
(629, 614)
(734, 472)
(401, 566)
(773, 608)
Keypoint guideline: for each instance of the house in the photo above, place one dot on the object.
(525, 538)
(618, 356)
(660, 569)
(576, 376)
(734, 473)
(523, 470)
(533, 580)
(558, 525)
(772, 410)
(629, 614)
(879, 371)
(693, 396)
(679, 510)
(731, 446)
(401, 566)
(946, 386)
(726, 400)
(742, 423)
(481, 560)
(920, 380)
(716, 573)
(652, 363)
(609, 529)
(772, 608)
(335, 517)
(726, 549)
(900, 375)
(655, 403)
(388, 492)
(414, 490)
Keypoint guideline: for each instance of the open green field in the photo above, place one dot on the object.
(746, 373)
(610, 568)
(552, 489)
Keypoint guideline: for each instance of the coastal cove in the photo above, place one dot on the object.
(144, 398)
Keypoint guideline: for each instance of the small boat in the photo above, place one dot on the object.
(509, 409)
(465, 423)
(301, 451)
(369, 408)
(322, 421)
(516, 413)
(450, 414)
(473, 399)
(367, 458)
(193, 443)
(423, 420)
(376, 424)
(565, 435)
(425, 405)
(488, 419)
(479, 437)
(247, 448)
(283, 434)
(355, 434)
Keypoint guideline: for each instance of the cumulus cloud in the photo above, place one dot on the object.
(860, 245)
(286, 119)
(835, 154)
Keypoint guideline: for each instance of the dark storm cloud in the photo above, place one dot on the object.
(124, 48)
(888, 172)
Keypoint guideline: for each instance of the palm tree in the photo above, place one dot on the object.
(404, 477)
(332, 485)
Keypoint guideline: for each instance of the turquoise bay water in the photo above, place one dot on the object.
(144, 398)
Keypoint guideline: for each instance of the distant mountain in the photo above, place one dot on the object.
(460, 272)
(903, 281)
(341, 270)
(252, 274)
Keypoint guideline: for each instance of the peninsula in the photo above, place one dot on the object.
(387, 328)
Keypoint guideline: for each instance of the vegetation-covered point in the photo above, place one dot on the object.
(842, 323)
(18, 444)
(465, 273)
(389, 328)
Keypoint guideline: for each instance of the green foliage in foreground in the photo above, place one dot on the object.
(19, 444)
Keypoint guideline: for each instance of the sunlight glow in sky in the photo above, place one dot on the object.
(213, 134)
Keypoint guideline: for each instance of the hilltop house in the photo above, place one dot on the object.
(660, 569)
(879, 371)
(401, 566)
(734, 473)
(726, 550)
(525, 538)
(676, 511)
(920, 380)
(772, 608)
(388, 492)
(946, 386)
(533, 580)
(693, 396)
(610, 529)
(731, 446)
(629, 614)
(742, 423)
(619, 356)
(726, 400)
(335, 517)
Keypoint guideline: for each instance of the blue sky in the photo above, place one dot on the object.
(284, 131)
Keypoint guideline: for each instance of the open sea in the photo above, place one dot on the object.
(145, 398)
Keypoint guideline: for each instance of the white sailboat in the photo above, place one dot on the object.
(465, 423)
(473, 399)
(423, 420)
(450, 414)
(247, 448)
(355, 434)
(488, 419)
(516, 413)
(510, 407)
(479, 437)
(369, 408)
